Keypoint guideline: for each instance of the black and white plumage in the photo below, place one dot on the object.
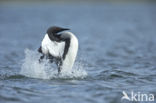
(60, 46)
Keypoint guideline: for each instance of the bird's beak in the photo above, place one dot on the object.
(60, 30)
(63, 29)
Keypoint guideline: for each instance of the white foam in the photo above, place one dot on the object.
(45, 70)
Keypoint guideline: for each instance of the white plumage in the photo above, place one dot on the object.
(72, 52)
(54, 48)
(57, 49)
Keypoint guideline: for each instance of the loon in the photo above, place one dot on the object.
(59, 46)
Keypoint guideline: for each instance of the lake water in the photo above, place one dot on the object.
(117, 52)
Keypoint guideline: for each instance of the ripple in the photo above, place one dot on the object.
(16, 76)
(114, 74)
(6, 98)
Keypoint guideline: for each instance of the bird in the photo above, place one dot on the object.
(59, 46)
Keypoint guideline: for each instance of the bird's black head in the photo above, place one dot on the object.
(53, 32)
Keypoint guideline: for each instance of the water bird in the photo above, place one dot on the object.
(59, 46)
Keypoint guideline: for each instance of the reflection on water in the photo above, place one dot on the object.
(117, 52)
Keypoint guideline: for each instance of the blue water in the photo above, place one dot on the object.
(117, 52)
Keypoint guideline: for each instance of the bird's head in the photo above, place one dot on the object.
(53, 32)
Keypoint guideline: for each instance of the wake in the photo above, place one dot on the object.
(45, 70)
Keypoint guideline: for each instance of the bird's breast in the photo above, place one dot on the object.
(52, 47)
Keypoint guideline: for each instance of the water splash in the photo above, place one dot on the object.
(45, 70)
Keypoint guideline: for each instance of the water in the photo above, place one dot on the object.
(45, 70)
(116, 52)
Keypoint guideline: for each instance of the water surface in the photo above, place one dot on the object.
(116, 50)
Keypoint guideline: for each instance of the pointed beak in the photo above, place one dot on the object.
(61, 29)
(54, 30)
(65, 29)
